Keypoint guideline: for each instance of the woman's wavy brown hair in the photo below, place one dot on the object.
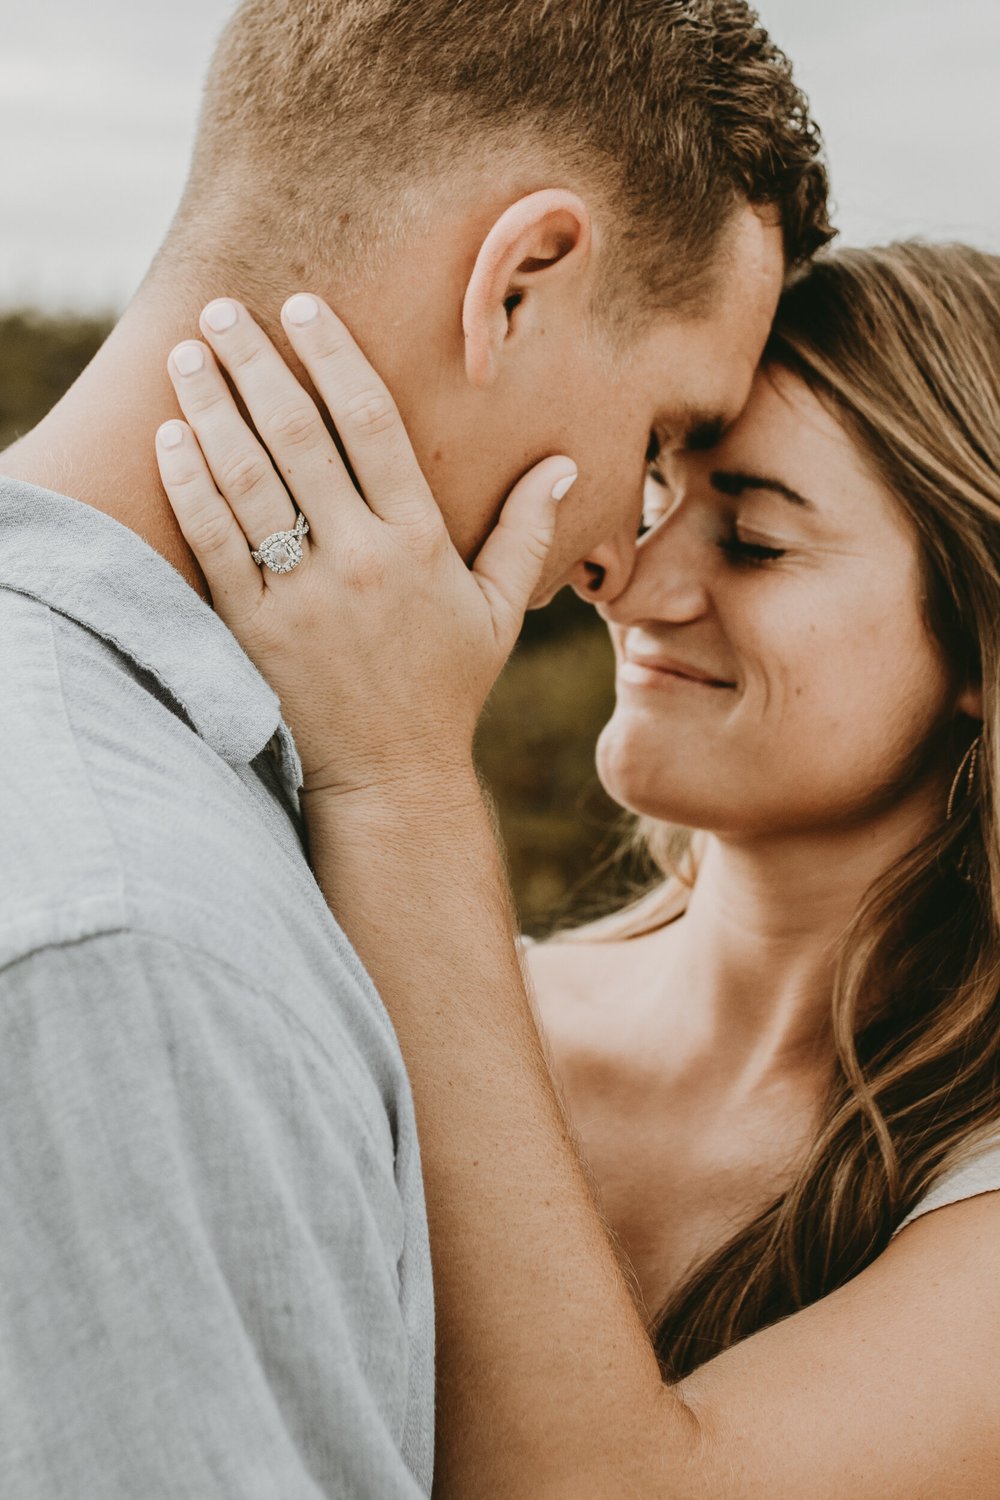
(903, 344)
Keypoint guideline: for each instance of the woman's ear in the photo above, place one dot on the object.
(970, 701)
(540, 239)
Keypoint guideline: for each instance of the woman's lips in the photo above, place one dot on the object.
(645, 671)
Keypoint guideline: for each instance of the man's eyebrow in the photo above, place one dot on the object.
(734, 482)
(691, 432)
(703, 432)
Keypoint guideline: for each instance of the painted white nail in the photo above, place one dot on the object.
(301, 309)
(188, 359)
(563, 486)
(220, 315)
(170, 435)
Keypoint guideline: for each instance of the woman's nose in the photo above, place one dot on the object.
(668, 581)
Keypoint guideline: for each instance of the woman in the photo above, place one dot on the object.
(789, 1053)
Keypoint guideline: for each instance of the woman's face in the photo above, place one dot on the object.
(776, 671)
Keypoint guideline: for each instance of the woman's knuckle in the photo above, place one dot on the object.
(183, 480)
(362, 568)
(244, 474)
(331, 348)
(205, 398)
(370, 412)
(536, 548)
(426, 534)
(293, 424)
(208, 531)
(247, 356)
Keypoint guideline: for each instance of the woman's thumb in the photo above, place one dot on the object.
(512, 559)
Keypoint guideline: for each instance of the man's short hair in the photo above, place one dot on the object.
(332, 119)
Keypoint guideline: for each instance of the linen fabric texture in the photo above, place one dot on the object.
(214, 1268)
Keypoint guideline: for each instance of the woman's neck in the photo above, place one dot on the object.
(751, 964)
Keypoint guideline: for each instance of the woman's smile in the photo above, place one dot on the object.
(640, 669)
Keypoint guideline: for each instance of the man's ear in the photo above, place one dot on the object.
(540, 237)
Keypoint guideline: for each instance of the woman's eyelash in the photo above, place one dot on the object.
(652, 454)
(749, 552)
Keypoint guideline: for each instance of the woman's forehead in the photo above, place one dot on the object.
(787, 434)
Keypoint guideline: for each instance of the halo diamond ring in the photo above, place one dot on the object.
(282, 550)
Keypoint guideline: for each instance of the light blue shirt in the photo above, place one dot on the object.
(214, 1267)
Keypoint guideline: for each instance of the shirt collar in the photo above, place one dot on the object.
(90, 567)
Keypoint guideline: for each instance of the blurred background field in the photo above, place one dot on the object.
(536, 745)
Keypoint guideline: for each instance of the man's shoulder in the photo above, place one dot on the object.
(115, 814)
(109, 799)
(91, 752)
(59, 871)
(116, 817)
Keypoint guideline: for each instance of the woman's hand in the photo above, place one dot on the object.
(381, 643)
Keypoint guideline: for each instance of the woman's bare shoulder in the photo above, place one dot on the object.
(578, 986)
(571, 970)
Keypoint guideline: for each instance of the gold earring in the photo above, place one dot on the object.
(967, 765)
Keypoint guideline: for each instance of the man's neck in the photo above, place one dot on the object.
(96, 445)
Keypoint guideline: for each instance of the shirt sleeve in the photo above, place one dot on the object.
(201, 1234)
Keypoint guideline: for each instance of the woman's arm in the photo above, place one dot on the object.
(547, 1383)
(514, 1229)
(548, 1388)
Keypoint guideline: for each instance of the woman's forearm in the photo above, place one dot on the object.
(547, 1382)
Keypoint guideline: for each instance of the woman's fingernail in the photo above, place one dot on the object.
(563, 486)
(188, 359)
(301, 309)
(170, 435)
(220, 315)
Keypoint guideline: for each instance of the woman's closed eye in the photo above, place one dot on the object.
(744, 553)
(658, 501)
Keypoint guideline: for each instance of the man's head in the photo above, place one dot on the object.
(555, 225)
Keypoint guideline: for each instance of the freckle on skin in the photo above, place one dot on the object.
(437, 454)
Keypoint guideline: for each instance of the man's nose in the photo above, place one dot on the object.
(605, 572)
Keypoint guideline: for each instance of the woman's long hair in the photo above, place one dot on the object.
(903, 344)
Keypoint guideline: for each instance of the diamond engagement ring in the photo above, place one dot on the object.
(282, 550)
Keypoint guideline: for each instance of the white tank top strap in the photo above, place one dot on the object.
(979, 1174)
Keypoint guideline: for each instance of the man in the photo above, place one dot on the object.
(553, 227)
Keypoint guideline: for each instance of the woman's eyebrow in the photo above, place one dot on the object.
(733, 482)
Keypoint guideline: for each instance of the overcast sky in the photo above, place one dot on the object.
(98, 102)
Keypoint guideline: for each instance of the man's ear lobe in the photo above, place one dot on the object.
(540, 239)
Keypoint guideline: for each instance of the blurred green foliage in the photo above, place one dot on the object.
(536, 742)
(536, 750)
(40, 357)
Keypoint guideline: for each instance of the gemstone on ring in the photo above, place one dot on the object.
(282, 550)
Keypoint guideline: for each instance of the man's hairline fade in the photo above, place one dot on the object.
(355, 205)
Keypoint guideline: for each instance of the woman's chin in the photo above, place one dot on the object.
(641, 783)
